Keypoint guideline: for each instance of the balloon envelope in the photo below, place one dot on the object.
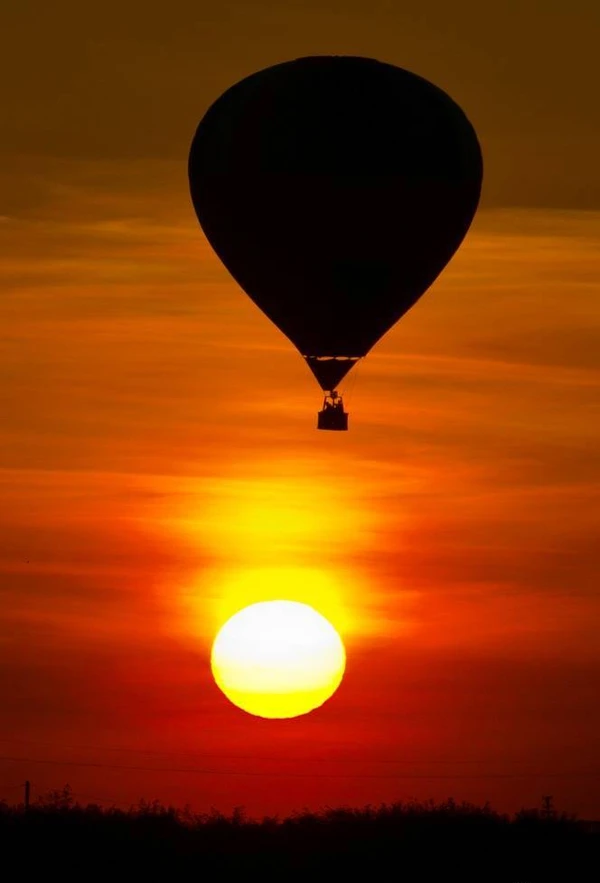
(335, 190)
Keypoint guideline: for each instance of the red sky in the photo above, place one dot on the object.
(159, 465)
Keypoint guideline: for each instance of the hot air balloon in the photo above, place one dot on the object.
(335, 189)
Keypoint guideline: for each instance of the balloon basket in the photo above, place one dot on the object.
(333, 416)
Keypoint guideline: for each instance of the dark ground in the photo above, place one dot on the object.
(410, 842)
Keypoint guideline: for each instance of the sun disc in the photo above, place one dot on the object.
(278, 659)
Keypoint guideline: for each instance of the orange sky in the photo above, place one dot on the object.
(160, 467)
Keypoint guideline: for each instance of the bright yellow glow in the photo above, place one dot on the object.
(228, 590)
(278, 659)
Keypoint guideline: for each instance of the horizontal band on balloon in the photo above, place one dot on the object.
(330, 370)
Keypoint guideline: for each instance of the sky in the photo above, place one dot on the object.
(159, 464)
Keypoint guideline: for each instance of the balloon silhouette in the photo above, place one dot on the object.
(335, 190)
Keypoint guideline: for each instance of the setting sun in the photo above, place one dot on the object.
(278, 659)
